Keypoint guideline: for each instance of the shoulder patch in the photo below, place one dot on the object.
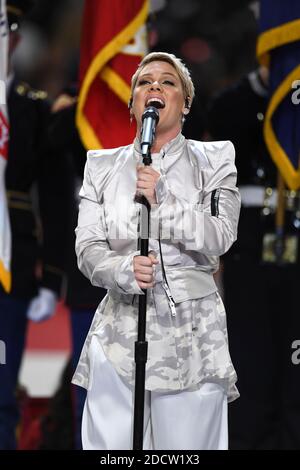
(24, 89)
(37, 94)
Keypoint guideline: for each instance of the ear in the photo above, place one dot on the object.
(186, 108)
(187, 104)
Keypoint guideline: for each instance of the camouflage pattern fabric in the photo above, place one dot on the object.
(190, 347)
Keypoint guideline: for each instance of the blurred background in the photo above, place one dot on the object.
(259, 277)
(216, 39)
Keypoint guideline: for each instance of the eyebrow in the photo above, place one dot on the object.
(163, 73)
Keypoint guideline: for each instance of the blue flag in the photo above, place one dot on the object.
(278, 47)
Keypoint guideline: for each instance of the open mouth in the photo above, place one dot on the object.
(156, 102)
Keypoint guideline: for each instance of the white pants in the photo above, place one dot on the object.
(174, 420)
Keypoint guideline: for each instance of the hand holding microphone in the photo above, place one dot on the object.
(146, 176)
(146, 182)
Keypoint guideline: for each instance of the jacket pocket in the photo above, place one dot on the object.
(189, 282)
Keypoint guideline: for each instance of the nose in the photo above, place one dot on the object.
(155, 86)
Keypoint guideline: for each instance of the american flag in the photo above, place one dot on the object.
(5, 236)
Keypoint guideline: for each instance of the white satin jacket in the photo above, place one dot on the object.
(196, 220)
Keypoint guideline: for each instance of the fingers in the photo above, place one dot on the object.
(147, 269)
(145, 285)
(146, 171)
(146, 180)
(152, 257)
(144, 184)
(145, 281)
(147, 278)
(151, 182)
(145, 168)
(142, 260)
(144, 270)
(147, 189)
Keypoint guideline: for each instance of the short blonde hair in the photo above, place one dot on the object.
(179, 66)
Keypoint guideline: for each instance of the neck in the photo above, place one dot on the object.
(162, 138)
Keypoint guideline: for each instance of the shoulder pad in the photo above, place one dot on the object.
(218, 152)
(106, 152)
(208, 153)
(101, 165)
(103, 158)
(198, 150)
(104, 163)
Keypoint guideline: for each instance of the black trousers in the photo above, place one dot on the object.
(263, 312)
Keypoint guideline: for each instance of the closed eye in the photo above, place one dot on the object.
(168, 82)
(143, 82)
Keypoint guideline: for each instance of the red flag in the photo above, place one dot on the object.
(112, 45)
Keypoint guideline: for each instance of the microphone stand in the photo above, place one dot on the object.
(141, 345)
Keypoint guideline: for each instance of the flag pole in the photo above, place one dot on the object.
(280, 218)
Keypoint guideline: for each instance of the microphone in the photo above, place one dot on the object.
(149, 119)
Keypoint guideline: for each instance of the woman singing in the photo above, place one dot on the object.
(191, 187)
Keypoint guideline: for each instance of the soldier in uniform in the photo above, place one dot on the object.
(81, 297)
(33, 178)
(260, 294)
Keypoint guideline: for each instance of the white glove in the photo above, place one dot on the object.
(42, 306)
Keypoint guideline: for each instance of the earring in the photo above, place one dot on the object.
(131, 118)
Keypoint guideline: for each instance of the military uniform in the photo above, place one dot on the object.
(260, 296)
(81, 297)
(34, 185)
(186, 327)
(66, 144)
(32, 176)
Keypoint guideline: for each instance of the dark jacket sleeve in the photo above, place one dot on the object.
(53, 189)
